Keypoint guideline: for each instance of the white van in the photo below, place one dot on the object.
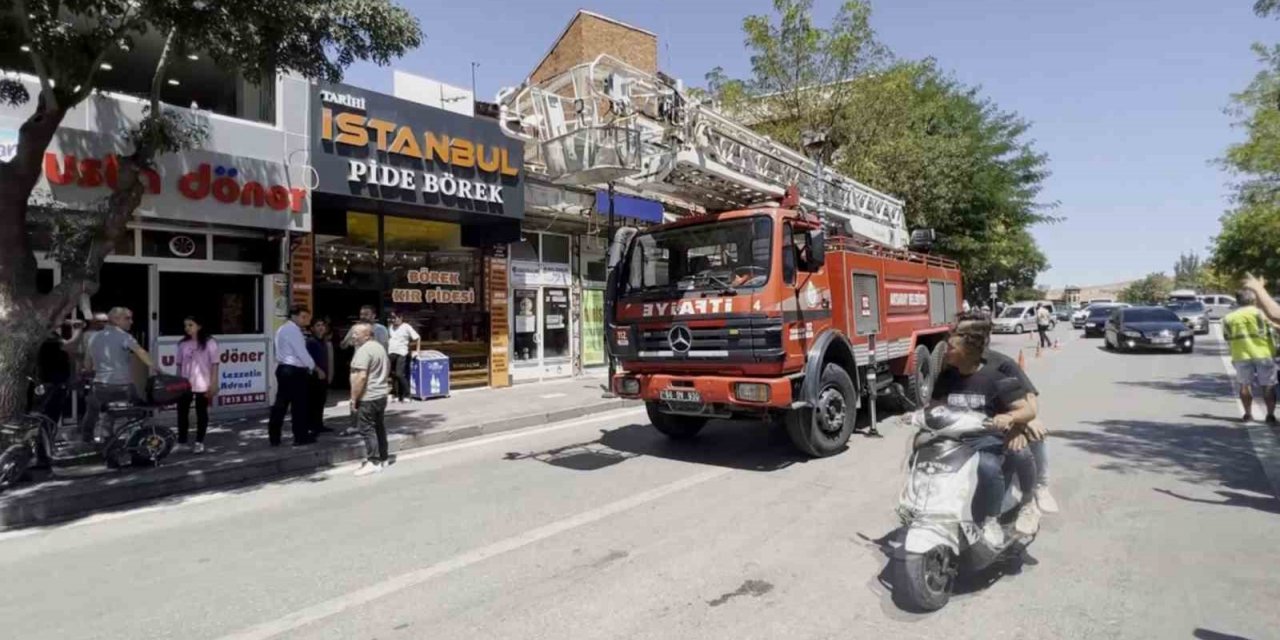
(1020, 317)
(1217, 305)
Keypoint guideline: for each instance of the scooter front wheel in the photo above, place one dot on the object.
(925, 579)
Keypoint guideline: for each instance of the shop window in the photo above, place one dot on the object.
(555, 249)
(181, 245)
(224, 304)
(526, 249)
(44, 280)
(232, 249)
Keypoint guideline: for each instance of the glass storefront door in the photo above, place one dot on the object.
(541, 329)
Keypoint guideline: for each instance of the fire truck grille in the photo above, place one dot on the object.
(736, 339)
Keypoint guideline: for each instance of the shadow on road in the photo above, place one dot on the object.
(1232, 499)
(749, 446)
(1205, 634)
(1207, 386)
(1197, 454)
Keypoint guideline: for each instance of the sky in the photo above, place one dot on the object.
(1125, 96)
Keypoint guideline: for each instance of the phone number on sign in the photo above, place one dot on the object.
(244, 398)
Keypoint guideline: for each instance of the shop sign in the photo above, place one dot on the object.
(526, 273)
(242, 369)
(437, 295)
(371, 145)
(302, 270)
(592, 327)
(495, 282)
(81, 168)
(8, 144)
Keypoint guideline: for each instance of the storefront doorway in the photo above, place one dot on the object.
(542, 315)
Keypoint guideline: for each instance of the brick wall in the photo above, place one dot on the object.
(589, 36)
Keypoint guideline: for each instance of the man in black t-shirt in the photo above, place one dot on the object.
(969, 383)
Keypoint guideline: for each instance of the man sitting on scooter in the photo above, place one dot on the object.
(968, 383)
(109, 357)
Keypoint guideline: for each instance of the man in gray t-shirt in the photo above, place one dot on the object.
(110, 356)
(369, 388)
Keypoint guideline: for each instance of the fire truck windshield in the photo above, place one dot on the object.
(723, 256)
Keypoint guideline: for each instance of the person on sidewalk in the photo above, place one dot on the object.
(369, 317)
(369, 388)
(109, 356)
(293, 373)
(320, 347)
(197, 361)
(402, 333)
(1043, 321)
(1252, 353)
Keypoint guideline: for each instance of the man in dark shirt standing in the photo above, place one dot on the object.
(970, 383)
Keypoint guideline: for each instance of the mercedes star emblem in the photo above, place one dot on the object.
(680, 338)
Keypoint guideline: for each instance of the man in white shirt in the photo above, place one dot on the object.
(380, 333)
(402, 333)
(293, 373)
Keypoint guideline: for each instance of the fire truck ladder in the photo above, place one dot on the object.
(606, 121)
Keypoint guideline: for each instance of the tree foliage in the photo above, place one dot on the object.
(1189, 272)
(1153, 289)
(962, 165)
(65, 43)
(1248, 240)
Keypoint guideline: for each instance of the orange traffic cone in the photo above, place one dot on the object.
(1022, 359)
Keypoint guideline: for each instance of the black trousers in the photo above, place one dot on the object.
(184, 415)
(1044, 337)
(399, 376)
(292, 387)
(99, 397)
(317, 395)
(369, 422)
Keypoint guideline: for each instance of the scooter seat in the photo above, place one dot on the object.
(126, 410)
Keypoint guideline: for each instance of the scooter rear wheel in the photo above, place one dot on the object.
(925, 579)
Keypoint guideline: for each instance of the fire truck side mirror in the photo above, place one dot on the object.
(815, 253)
(922, 240)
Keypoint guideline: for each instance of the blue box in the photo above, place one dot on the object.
(429, 375)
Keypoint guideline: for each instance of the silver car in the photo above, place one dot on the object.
(1192, 313)
(1217, 306)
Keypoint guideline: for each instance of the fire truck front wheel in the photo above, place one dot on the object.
(674, 426)
(824, 428)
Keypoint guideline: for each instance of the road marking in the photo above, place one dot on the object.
(345, 468)
(1266, 446)
(390, 586)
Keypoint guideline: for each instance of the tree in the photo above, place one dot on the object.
(1152, 289)
(962, 165)
(1248, 240)
(66, 42)
(1188, 272)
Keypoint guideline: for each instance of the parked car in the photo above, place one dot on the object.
(1147, 328)
(1095, 323)
(1193, 313)
(1217, 305)
(1082, 314)
(1063, 314)
(1020, 317)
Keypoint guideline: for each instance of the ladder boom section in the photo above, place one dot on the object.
(606, 121)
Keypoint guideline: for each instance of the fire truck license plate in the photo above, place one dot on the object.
(680, 395)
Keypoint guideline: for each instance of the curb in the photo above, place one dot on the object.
(22, 511)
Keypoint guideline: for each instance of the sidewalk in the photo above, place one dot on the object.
(237, 449)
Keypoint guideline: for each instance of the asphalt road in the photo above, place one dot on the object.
(598, 528)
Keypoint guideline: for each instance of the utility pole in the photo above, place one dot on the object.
(474, 66)
(609, 252)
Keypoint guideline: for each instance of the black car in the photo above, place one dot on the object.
(1095, 323)
(1148, 328)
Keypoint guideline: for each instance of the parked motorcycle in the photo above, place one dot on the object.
(129, 432)
(942, 539)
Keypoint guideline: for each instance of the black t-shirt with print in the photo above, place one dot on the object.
(1006, 365)
(988, 390)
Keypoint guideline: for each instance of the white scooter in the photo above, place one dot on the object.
(941, 537)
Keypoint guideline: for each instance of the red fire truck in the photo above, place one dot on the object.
(766, 306)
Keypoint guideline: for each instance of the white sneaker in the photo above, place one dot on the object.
(369, 468)
(197, 447)
(1045, 500)
(1028, 522)
(993, 533)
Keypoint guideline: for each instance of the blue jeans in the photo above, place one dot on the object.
(1042, 462)
(993, 466)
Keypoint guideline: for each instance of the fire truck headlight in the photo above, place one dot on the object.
(751, 391)
(629, 386)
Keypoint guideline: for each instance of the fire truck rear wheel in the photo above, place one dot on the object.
(824, 429)
(920, 380)
(674, 426)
